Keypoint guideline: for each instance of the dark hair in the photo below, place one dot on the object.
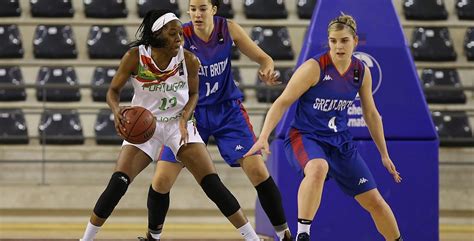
(214, 3)
(144, 33)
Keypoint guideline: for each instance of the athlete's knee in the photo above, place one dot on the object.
(163, 183)
(375, 203)
(317, 169)
(219, 194)
(257, 172)
(112, 194)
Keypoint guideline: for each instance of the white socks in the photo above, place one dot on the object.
(91, 231)
(155, 235)
(248, 232)
(303, 228)
(281, 234)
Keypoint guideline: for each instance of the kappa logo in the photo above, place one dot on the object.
(327, 77)
(193, 47)
(238, 148)
(124, 179)
(362, 180)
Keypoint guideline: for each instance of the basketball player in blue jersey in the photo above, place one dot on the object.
(220, 113)
(318, 143)
(165, 80)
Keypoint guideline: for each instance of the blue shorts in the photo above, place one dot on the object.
(346, 165)
(229, 123)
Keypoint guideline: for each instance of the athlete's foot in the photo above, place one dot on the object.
(287, 236)
(148, 238)
(303, 237)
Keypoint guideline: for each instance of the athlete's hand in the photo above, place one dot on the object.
(120, 120)
(183, 129)
(268, 75)
(387, 162)
(260, 144)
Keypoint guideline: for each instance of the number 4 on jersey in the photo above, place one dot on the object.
(214, 88)
(332, 124)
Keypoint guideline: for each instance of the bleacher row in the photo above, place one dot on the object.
(428, 43)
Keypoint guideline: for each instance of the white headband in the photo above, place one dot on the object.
(161, 21)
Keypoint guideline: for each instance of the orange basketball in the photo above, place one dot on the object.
(141, 127)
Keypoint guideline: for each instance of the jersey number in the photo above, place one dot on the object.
(332, 124)
(214, 88)
(167, 103)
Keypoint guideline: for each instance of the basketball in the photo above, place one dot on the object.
(141, 126)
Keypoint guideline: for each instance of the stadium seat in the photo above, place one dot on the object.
(105, 8)
(101, 79)
(235, 52)
(13, 128)
(424, 10)
(60, 126)
(432, 44)
(10, 8)
(274, 40)
(238, 80)
(10, 38)
(453, 128)
(144, 6)
(269, 94)
(57, 76)
(465, 9)
(469, 44)
(305, 8)
(51, 8)
(54, 42)
(442, 78)
(225, 9)
(107, 42)
(104, 127)
(265, 9)
(11, 75)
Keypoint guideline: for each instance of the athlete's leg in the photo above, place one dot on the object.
(268, 193)
(310, 191)
(158, 195)
(130, 163)
(381, 213)
(196, 158)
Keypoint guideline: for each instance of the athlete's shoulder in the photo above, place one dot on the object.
(191, 58)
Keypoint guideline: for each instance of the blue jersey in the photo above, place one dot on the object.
(216, 83)
(322, 109)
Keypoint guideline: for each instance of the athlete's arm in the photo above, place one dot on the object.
(374, 123)
(305, 76)
(255, 53)
(192, 65)
(127, 67)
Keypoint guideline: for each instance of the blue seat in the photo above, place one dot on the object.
(51, 8)
(61, 84)
(144, 6)
(10, 8)
(10, 38)
(465, 9)
(268, 94)
(432, 44)
(265, 9)
(469, 44)
(453, 128)
(13, 128)
(424, 10)
(104, 127)
(60, 127)
(238, 80)
(54, 42)
(433, 78)
(225, 9)
(274, 40)
(107, 42)
(305, 8)
(101, 80)
(12, 76)
(105, 8)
